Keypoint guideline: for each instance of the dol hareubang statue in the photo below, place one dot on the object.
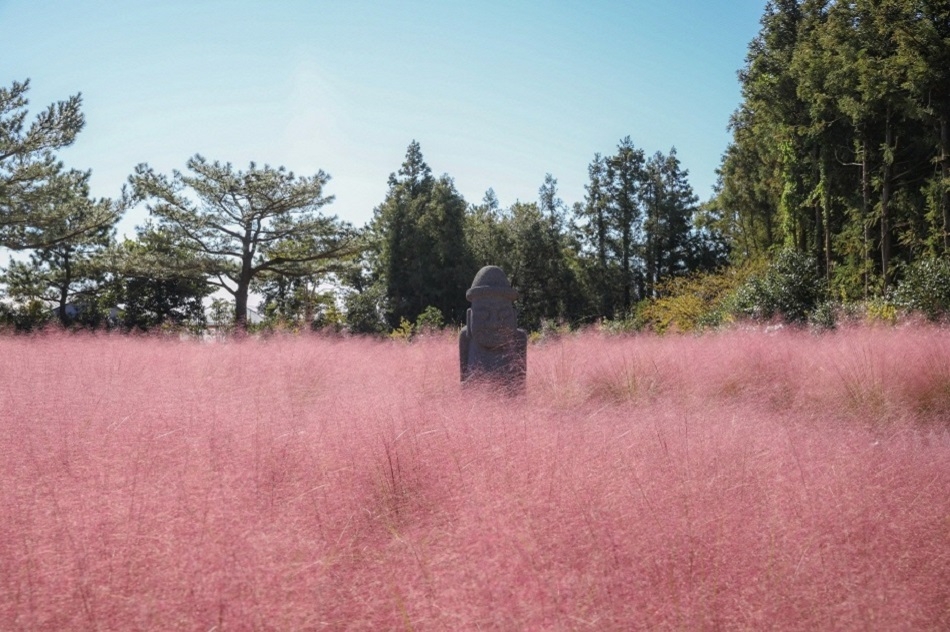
(491, 346)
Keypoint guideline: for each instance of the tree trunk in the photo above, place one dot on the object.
(606, 302)
(818, 157)
(627, 276)
(64, 291)
(886, 184)
(61, 308)
(240, 296)
(945, 183)
(240, 307)
(826, 213)
(820, 229)
(244, 283)
(769, 229)
(865, 205)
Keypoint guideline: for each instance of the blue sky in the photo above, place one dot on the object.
(498, 93)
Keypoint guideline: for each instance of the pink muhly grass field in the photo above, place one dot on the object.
(744, 480)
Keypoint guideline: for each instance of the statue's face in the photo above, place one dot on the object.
(493, 320)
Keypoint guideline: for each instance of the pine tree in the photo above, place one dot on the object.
(151, 290)
(238, 226)
(67, 274)
(38, 196)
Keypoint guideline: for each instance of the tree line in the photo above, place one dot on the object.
(833, 196)
(841, 145)
(262, 232)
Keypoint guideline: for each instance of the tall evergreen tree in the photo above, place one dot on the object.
(749, 188)
(541, 270)
(594, 214)
(669, 205)
(839, 138)
(923, 48)
(637, 228)
(422, 257)
(625, 174)
(487, 229)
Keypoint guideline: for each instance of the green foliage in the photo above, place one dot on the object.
(329, 318)
(790, 288)
(824, 317)
(840, 145)
(221, 315)
(641, 225)
(626, 323)
(539, 265)
(152, 284)
(168, 303)
(363, 307)
(880, 310)
(624, 178)
(549, 330)
(417, 239)
(598, 266)
(571, 264)
(68, 272)
(297, 302)
(47, 209)
(533, 244)
(925, 288)
(237, 226)
(695, 302)
(24, 316)
(403, 332)
(669, 204)
(488, 233)
(41, 203)
(430, 320)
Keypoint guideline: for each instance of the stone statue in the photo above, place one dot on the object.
(491, 346)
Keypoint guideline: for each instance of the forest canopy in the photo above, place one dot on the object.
(841, 145)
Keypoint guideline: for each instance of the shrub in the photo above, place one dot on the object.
(403, 332)
(364, 311)
(693, 302)
(925, 288)
(29, 316)
(824, 317)
(790, 288)
(221, 315)
(430, 320)
(549, 329)
(328, 319)
(880, 310)
(625, 324)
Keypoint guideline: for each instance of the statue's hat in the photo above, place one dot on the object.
(491, 282)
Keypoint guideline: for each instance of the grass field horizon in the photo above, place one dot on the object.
(748, 479)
